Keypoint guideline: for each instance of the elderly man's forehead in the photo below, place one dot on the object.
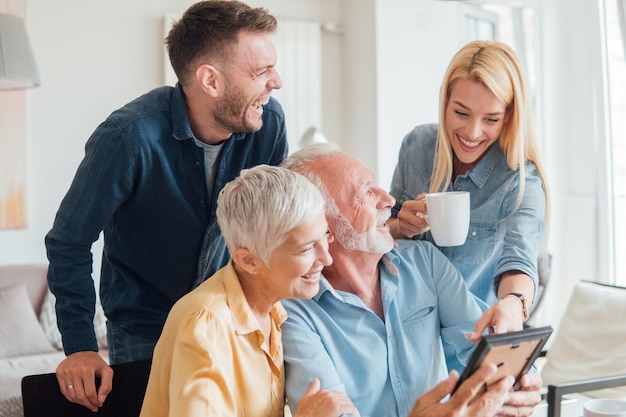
(339, 164)
(346, 176)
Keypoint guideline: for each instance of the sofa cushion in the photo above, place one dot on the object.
(12, 407)
(589, 342)
(20, 331)
(12, 370)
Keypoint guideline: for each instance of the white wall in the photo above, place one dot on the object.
(575, 135)
(415, 40)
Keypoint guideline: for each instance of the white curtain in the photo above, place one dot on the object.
(299, 49)
(621, 10)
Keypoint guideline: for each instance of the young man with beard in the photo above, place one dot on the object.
(376, 328)
(150, 179)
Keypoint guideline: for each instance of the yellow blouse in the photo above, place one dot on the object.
(210, 359)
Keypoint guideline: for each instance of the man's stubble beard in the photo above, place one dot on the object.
(232, 111)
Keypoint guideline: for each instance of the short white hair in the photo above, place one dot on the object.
(257, 209)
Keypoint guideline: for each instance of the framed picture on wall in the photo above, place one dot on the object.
(13, 145)
(12, 160)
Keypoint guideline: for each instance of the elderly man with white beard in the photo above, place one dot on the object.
(377, 326)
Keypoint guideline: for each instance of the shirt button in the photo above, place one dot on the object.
(474, 233)
(197, 163)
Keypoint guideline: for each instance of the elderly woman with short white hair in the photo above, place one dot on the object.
(220, 352)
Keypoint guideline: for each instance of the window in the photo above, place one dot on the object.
(478, 23)
(616, 71)
(517, 27)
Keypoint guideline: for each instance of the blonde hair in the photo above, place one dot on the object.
(496, 66)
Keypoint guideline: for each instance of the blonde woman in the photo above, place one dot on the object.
(484, 144)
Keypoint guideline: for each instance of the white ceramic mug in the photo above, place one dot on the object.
(604, 407)
(448, 216)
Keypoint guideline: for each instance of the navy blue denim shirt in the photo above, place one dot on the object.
(501, 237)
(142, 182)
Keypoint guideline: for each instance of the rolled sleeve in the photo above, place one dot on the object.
(525, 229)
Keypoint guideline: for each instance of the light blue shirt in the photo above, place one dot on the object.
(382, 366)
(501, 238)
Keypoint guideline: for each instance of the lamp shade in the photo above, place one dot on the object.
(17, 64)
(311, 136)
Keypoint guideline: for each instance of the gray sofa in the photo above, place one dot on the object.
(32, 360)
(29, 340)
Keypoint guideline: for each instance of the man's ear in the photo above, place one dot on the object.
(209, 79)
(247, 261)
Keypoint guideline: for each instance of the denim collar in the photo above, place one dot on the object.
(481, 172)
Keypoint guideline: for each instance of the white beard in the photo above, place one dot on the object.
(370, 241)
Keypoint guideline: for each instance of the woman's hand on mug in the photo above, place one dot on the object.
(412, 217)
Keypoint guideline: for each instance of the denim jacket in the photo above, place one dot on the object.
(142, 182)
(501, 238)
